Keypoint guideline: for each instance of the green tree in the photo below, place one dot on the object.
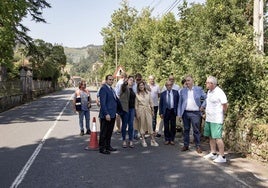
(134, 55)
(219, 42)
(162, 60)
(46, 60)
(115, 35)
(11, 29)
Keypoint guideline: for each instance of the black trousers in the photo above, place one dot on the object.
(170, 125)
(106, 131)
(155, 117)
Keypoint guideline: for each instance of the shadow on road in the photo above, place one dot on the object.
(65, 163)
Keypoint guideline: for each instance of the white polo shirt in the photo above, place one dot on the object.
(155, 91)
(214, 110)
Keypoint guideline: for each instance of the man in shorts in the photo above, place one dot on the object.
(216, 107)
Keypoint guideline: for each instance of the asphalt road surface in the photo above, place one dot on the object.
(40, 147)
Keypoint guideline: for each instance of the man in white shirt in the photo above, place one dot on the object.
(216, 107)
(117, 89)
(155, 93)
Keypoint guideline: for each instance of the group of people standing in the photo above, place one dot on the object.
(138, 103)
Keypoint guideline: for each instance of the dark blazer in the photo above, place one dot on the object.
(163, 101)
(108, 102)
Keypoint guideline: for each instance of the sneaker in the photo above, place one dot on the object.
(220, 159)
(88, 132)
(210, 156)
(154, 143)
(146, 136)
(158, 135)
(143, 143)
(82, 133)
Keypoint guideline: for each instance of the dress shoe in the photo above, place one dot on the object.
(131, 145)
(172, 143)
(158, 135)
(198, 150)
(124, 144)
(82, 133)
(166, 142)
(105, 152)
(88, 132)
(112, 149)
(184, 148)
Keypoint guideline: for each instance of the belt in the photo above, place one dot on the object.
(192, 111)
(170, 109)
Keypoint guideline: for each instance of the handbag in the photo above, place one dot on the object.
(119, 109)
(89, 102)
(78, 106)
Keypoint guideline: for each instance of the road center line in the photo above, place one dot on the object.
(29, 163)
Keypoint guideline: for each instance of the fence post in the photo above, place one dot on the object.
(26, 79)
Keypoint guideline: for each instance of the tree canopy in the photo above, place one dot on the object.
(46, 60)
(11, 29)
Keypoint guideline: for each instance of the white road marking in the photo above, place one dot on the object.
(29, 163)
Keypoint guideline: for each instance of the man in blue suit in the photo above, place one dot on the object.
(168, 110)
(108, 107)
(189, 109)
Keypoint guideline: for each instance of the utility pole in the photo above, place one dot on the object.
(115, 56)
(258, 25)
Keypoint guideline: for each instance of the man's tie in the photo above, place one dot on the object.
(169, 100)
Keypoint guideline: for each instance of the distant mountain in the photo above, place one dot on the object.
(74, 55)
(81, 60)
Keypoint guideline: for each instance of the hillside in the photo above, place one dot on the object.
(80, 60)
(74, 55)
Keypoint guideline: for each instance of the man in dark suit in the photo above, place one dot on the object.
(168, 110)
(108, 107)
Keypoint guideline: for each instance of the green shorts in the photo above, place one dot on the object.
(213, 130)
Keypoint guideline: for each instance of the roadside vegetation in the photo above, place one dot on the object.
(211, 39)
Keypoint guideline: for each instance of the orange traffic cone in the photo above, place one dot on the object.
(93, 141)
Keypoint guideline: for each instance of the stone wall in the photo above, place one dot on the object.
(248, 139)
(14, 93)
(10, 101)
(10, 94)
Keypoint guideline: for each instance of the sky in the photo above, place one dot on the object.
(78, 23)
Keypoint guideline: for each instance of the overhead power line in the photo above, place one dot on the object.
(172, 6)
(151, 3)
(156, 5)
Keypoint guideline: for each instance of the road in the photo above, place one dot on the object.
(41, 148)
